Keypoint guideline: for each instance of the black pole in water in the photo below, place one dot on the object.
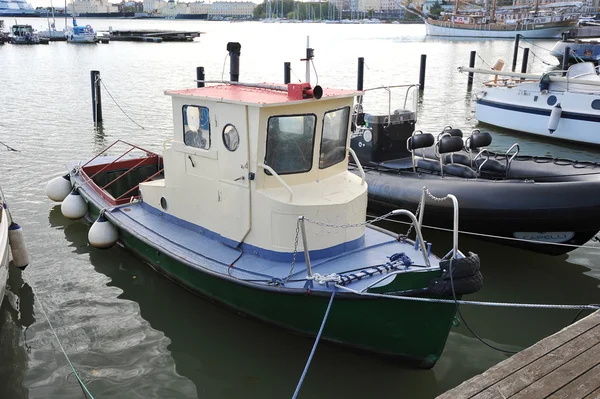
(361, 74)
(525, 58)
(287, 78)
(471, 65)
(516, 52)
(234, 49)
(565, 60)
(96, 96)
(422, 72)
(200, 76)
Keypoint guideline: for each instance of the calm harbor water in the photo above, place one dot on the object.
(132, 333)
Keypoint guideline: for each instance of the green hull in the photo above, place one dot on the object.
(414, 332)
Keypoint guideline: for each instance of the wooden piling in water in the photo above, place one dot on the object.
(96, 97)
(471, 65)
(566, 364)
(525, 59)
(516, 52)
(361, 74)
(200, 77)
(422, 72)
(565, 60)
(287, 78)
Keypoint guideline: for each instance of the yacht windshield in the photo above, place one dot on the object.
(290, 142)
(333, 141)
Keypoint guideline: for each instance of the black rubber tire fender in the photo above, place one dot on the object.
(463, 267)
(462, 285)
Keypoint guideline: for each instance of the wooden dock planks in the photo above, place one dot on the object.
(564, 365)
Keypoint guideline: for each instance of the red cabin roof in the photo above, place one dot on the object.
(255, 95)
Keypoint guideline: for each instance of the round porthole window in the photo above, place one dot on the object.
(231, 138)
(163, 203)
(551, 100)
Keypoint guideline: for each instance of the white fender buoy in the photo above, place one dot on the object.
(18, 249)
(554, 118)
(58, 188)
(103, 234)
(74, 206)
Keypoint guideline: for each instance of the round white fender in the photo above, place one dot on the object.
(74, 206)
(554, 118)
(58, 188)
(103, 234)
(17, 246)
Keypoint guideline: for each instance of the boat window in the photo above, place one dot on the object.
(290, 142)
(196, 127)
(333, 140)
(596, 104)
(231, 137)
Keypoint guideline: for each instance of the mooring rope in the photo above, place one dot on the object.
(85, 390)
(312, 352)
(493, 236)
(117, 104)
(9, 147)
(476, 303)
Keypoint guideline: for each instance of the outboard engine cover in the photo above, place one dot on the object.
(377, 140)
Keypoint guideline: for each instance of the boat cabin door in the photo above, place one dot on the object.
(233, 159)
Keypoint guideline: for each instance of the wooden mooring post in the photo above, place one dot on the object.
(287, 68)
(565, 60)
(471, 65)
(200, 77)
(96, 97)
(422, 72)
(361, 74)
(525, 59)
(564, 365)
(516, 52)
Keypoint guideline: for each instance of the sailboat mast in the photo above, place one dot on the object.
(493, 11)
(456, 7)
(537, 3)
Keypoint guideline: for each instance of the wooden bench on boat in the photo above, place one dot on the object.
(564, 365)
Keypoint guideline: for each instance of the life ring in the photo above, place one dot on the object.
(88, 26)
(536, 21)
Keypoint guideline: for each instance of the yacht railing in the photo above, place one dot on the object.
(409, 89)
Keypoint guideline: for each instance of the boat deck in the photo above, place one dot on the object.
(194, 246)
(564, 365)
(199, 249)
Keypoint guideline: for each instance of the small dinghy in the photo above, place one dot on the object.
(534, 202)
(253, 206)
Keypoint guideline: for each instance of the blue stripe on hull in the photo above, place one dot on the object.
(540, 111)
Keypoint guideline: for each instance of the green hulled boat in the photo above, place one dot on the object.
(253, 206)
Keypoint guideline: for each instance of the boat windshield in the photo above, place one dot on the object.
(290, 143)
(333, 140)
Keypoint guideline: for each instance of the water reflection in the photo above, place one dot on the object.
(16, 316)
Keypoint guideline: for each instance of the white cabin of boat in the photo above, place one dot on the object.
(215, 178)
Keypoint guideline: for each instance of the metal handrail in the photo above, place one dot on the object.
(279, 179)
(305, 245)
(417, 229)
(509, 160)
(357, 163)
(387, 88)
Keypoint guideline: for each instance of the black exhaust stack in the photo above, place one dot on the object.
(234, 49)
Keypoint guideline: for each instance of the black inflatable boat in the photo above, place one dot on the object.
(538, 203)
